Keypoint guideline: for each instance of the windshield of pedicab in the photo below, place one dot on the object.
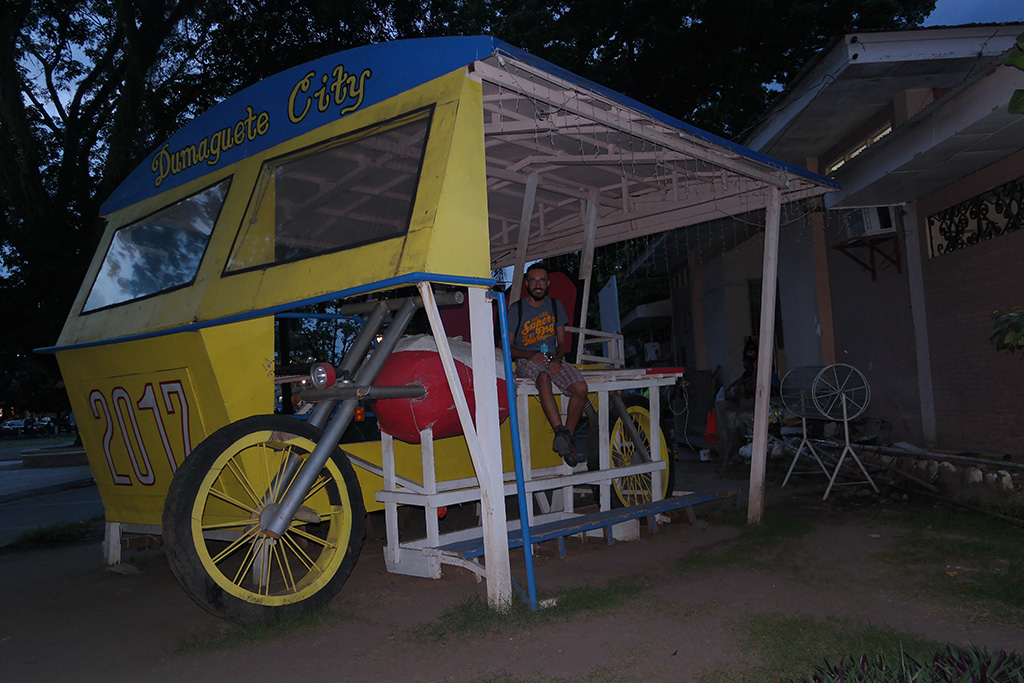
(158, 253)
(347, 192)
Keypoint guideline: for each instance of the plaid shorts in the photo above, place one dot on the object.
(566, 377)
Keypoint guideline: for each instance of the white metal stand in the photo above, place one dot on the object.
(847, 450)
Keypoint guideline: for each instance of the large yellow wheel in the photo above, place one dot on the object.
(215, 545)
(637, 488)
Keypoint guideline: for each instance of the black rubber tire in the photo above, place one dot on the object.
(619, 499)
(315, 555)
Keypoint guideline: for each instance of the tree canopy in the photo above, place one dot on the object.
(89, 87)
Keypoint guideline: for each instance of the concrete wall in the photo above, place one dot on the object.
(727, 304)
(874, 333)
(716, 319)
(798, 296)
(978, 393)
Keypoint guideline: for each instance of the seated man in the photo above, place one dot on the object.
(537, 332)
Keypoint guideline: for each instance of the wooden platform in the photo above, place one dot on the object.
(557, 530)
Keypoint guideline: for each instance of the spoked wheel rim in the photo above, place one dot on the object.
(232, 546)
(635, 489)
(839, 383)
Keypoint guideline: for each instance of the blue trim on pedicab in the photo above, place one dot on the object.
(389, 283)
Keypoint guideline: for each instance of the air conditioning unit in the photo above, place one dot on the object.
(871, 220)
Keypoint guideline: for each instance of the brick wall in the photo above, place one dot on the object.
(979, 393)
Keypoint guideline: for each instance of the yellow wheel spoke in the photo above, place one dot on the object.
(244, 481)
(284, 566)
(310, 537)
(250, 557)
(299, 552)
(265, 566)
(232, 547)
(226, 525)
(268, 489)
(317, 486)
(228, 499)
(291, 481)
(279, 479)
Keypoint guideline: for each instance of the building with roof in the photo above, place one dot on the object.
(897, 273)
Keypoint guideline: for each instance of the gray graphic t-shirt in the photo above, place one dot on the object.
(537, 327)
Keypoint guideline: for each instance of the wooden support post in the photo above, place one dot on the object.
(604, 447)
(392, 550)
(429, 485)
(766, 343)
(525, 219)
(657, 480)
(483, 437)
(587, 267)
(112, 544)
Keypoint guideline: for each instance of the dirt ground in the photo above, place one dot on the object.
(63, 617)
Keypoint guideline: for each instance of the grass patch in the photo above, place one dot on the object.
(58, 534)
(794, 646)
(963, 556)
(474, 616)
(753, 546)
(229, 636)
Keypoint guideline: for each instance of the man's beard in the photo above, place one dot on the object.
(538, 297)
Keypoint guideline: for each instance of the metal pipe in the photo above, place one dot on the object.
(281, 516)
(442, 299)
(627, 423)
(362, 392)
(990, 463)
(355, 356)
(517, 449)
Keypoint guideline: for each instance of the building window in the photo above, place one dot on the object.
(858, 148)
(978, 219)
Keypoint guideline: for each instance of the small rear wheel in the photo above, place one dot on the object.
(636, 488)
(215, 545)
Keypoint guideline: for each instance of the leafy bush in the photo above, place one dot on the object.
(1008, 329)
(952, 665)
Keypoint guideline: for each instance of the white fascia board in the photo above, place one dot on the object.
(794, 101)
(929, 45)
(880, 47)
(945, 121)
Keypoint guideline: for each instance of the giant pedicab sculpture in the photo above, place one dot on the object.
(419, 163)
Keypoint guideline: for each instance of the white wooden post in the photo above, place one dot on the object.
(483, 438)
(392, 551)
(587, 268)
(655, 437)
(758, 460)
(112, 544)
(429, 484)
(604, 447)
(524, 236)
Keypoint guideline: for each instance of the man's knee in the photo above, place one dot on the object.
(579, 388)
(543, 381)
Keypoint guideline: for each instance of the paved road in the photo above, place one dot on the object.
(73, 505)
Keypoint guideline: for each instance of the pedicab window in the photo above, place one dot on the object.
(346, 192)
(158, 253)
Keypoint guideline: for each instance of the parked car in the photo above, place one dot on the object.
(45, 426)
(12, 428)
